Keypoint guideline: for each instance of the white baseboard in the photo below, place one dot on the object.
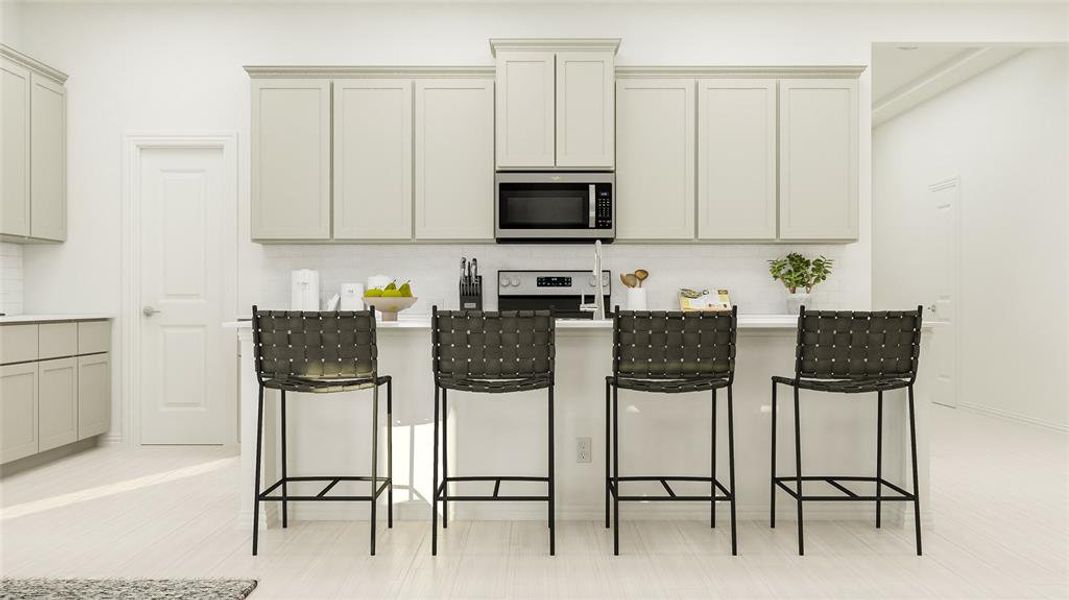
(1012, 416)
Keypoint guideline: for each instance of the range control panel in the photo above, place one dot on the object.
(549, 283)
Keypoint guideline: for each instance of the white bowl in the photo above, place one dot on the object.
(389, 306)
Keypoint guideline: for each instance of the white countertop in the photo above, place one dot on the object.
(745, 322)
(51, 318)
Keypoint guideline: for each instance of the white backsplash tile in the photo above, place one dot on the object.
(434, 269)
(11, 279)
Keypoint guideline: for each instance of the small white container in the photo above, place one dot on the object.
(352, 296)
(796, 301)
(636, 299)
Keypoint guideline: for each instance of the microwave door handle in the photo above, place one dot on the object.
(591, 205)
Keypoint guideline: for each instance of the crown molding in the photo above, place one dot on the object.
(548, 44)
(743, 71)
(357, 72)
(32, 64)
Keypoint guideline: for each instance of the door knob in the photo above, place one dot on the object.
(148, 311)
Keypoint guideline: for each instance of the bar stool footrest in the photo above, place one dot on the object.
(441, 495)
(332, 481)
(724, 495)
(846, 494)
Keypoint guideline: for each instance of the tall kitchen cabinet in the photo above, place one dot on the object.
(33, 156)
(372, 155)
(554, 103)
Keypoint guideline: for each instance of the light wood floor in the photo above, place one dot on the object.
(1000, 496)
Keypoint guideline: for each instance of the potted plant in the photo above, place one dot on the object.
(799, 274)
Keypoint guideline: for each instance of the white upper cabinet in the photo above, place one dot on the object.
(737, 159)
(48, 159)
(655, 159)
(454, 171)
(291, 159)
(554, 103)
(525, 109)
(818, 159)
(373, 159)
(585, 109)
(33, 150)
(15, 157)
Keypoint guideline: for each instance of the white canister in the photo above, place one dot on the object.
(636, 299)
(304, 289)
(378, 281)
(352, 296)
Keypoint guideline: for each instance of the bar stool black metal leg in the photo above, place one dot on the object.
(916, 485)
(434, 489)
(374, 461)
(879, 455)
(772, 470)
(285, 493)
(731, 468)
(389, 452)
(552, 492)
(608, 455)
(616, 470)
(798, 467)
(712, 503)
(445, 459)
(259, 452)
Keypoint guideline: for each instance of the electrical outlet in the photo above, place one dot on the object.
(582, 450)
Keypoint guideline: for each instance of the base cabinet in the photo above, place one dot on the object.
(94, 395)
(57, 403)
(18, 411)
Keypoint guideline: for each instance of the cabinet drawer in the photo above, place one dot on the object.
(57, 339)
(18, 343)
(94, 336)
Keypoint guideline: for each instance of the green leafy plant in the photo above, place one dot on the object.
(796, 271)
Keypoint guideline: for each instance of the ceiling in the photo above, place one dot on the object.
(895, 67)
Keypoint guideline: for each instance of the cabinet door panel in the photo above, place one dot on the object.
(48, 159)
(818, 159)
(373, 159)
(655, 159)
(15, 149)
(585, 109)
(18, 411)
(455, 159)
(94, 395)
(290, 159)
(525, 109)
(57, 406)
(737, 159)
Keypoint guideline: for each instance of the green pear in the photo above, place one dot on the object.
(406, 290)
(373, 293)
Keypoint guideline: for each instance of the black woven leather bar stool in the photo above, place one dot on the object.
(852, 353)
(670, 353)
(320, 353)
(490, 353)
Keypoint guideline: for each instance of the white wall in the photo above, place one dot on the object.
(1004, 133)
(11, 277)
(11, 23)
(177, 68)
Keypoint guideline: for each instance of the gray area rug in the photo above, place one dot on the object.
(126, 589)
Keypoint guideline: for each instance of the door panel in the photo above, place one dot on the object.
(525, 109)
(48, 159)
(373, 159)
(182, 349)
(585, 108)
(94, 395)
(737, 159)
(655, 159)
(57, 402)
(942, 206)
(18, 411)
(14, 149)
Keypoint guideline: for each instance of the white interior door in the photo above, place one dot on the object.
(183, 397)
(942, 205)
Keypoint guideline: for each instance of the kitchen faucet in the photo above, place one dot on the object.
(598, 306)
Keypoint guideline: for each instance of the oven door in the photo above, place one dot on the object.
(553, 206)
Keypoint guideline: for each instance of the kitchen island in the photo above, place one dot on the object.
(658, 433)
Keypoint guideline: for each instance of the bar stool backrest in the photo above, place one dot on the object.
(858, 344)
(314, 344)
(492, 345)
(674, 344)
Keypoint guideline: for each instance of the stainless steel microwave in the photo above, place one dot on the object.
(554, 207)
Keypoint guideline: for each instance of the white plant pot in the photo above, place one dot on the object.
(796, 301)
(636, 299)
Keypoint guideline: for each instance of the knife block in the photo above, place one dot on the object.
(471, 294)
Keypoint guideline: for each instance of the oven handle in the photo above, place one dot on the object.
(592, 204)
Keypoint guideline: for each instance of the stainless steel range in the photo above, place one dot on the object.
(563, 292)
